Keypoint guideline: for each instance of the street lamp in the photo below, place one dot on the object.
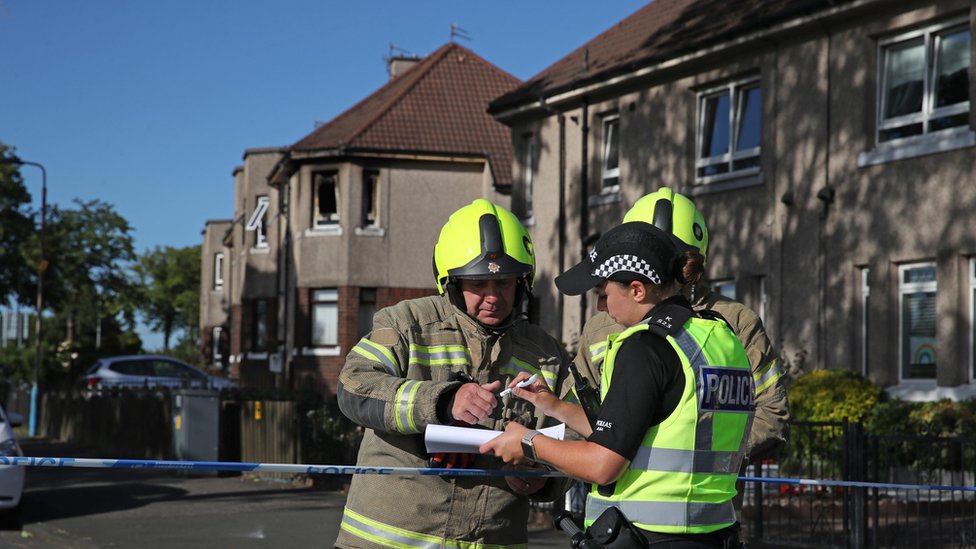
(41, 267)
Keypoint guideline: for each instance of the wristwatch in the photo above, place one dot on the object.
(527, 448)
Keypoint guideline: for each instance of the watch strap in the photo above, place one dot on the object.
(528, 449)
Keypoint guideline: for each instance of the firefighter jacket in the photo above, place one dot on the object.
(770, 428)
(682, 479)
(391, 384)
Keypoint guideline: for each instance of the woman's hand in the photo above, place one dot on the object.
(507, 445)
(525, 486)
(538, 393)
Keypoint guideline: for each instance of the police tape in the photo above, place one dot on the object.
(97, 463)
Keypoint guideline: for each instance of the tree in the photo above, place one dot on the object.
(88, 283)
(17, 233)
(170, 297)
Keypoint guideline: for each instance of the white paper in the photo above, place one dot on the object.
(447, 438)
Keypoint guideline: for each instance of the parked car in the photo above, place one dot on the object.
(11, 476)
(150, 371)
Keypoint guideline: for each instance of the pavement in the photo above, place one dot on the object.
(155, 509)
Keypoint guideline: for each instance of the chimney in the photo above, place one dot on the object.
(399, 64)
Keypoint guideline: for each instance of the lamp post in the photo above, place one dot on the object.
(41, 267)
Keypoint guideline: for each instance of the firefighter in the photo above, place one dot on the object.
(442, 360)
(676, 214)
(677, 403)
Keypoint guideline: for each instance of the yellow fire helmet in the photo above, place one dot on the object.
(674, 213)
(484, 240)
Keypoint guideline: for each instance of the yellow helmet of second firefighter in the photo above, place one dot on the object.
(673, 213)
(484, 240)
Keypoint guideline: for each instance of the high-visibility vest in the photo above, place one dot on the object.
(682, 479)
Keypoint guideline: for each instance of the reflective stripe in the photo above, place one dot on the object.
(404, 403)
(377, 353)
(391, 536)
(686, 461)
(696, 359)
(515, 366)
(765, 379)
(667, 513)
(439, 355)
(598, 351)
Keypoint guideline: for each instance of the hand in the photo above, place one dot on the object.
(538, 393)
(473, 402)
(525, 486)
(507, 445)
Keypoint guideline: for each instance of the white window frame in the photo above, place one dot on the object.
(929, 38)
(328, 298)
(371, 177)
(215, 333)
(735, 91)
(610, 177)
(906, 288)
(218, 274)
(865, 277)
(332, 219)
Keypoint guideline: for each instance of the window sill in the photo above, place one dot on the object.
(922, 146)
(609, 196)
(928, 391)
(321, 351)
(251, 355)
(370, 231)
(325, 230)
(260, 250)
(730, 184)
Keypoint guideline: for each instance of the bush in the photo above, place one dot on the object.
(832, 395)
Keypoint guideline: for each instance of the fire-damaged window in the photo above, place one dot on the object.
(371, 199)
(326, 199)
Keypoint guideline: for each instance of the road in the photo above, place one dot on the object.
(150, 509)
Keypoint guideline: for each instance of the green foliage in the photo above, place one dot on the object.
(169, 280)
(18, 236)
(832, 395)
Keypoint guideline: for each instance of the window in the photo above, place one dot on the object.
(218, 275)
(371, 198)
(367, 308)
(924, 78)
(216, 353)
(528, 175)
(326, 200)
(763, 298)
(259, 326)
(865, 293)
(611, 153)
(916, 288)
(325, 317)
(259, 222)
(725, 287)
(729, 131)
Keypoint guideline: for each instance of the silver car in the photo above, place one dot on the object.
(11, 476)
(150, 371)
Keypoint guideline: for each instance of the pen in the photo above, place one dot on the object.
(520, 384)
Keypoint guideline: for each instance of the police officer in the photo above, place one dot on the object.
(676, 214)
(677, 402)
(442, 360)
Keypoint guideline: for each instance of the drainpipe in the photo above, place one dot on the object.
(584, 229)
(561, 221)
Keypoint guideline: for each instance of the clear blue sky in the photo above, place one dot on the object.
(149, 106)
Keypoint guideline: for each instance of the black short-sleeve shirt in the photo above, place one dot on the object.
(645, 387)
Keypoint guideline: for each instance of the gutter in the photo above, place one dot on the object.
(572, 95)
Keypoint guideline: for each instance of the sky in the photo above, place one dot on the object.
(149, 106)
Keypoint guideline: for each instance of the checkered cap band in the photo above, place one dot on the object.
(626, 263)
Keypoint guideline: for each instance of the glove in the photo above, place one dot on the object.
(450, 460)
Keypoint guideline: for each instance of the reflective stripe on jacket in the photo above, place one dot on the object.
(391, 383)
(682, 479)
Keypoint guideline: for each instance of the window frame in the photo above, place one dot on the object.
(724, 283)
(528, 177)
(609, 177)
(929, 37)
(218, 271)
(333, 219)
(908, 288)
(216, 355)
(734, 89)
(259, 325)
(259, 221)
(315, 299)
(371, 182)
(864, 317)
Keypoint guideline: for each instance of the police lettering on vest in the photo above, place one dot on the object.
(727, 389)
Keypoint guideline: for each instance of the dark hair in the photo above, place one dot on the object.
(691, 268)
